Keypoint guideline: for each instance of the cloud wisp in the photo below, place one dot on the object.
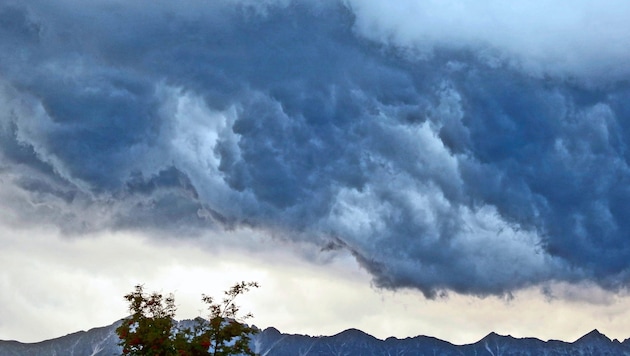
(446, 171)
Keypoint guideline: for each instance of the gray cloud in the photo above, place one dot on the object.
(442, 172)
(586, 40)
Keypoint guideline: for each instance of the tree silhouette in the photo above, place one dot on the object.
(151, 330)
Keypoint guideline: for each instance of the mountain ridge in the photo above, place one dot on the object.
(103, 341)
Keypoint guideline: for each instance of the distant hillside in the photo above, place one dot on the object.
(271, 342)
(98, 341)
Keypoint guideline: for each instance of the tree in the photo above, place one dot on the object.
(226, 330)
(148, 331)
(151, 329)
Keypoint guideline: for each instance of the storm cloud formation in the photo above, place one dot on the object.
(442, 163)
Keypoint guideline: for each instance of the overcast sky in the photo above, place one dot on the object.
(446, 168)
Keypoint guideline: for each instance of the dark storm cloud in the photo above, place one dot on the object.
(440, 172)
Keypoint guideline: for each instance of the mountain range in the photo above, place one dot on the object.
(103, 341)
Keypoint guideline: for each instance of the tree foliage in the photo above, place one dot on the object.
(151, 329)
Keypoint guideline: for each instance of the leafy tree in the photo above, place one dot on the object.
(148, 331)
(152, 331)
(226, 330)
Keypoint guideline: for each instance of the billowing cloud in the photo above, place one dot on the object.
(442, 171)
(585, 40)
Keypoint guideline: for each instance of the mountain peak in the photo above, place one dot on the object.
(493, 336)
(352, 332)
(272, 330)
(594, 335)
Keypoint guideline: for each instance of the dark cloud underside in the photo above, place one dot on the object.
(446, 171)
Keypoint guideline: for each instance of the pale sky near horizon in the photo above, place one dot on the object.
(446, 168)
(63, 286)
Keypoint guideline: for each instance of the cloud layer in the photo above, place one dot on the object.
(586, 39)
(449, 169)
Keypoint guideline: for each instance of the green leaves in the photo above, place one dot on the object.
(151, 329)
(148, 330)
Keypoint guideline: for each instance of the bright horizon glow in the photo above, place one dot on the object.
(79, 283)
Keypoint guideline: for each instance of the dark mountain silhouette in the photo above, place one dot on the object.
(271, 342)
